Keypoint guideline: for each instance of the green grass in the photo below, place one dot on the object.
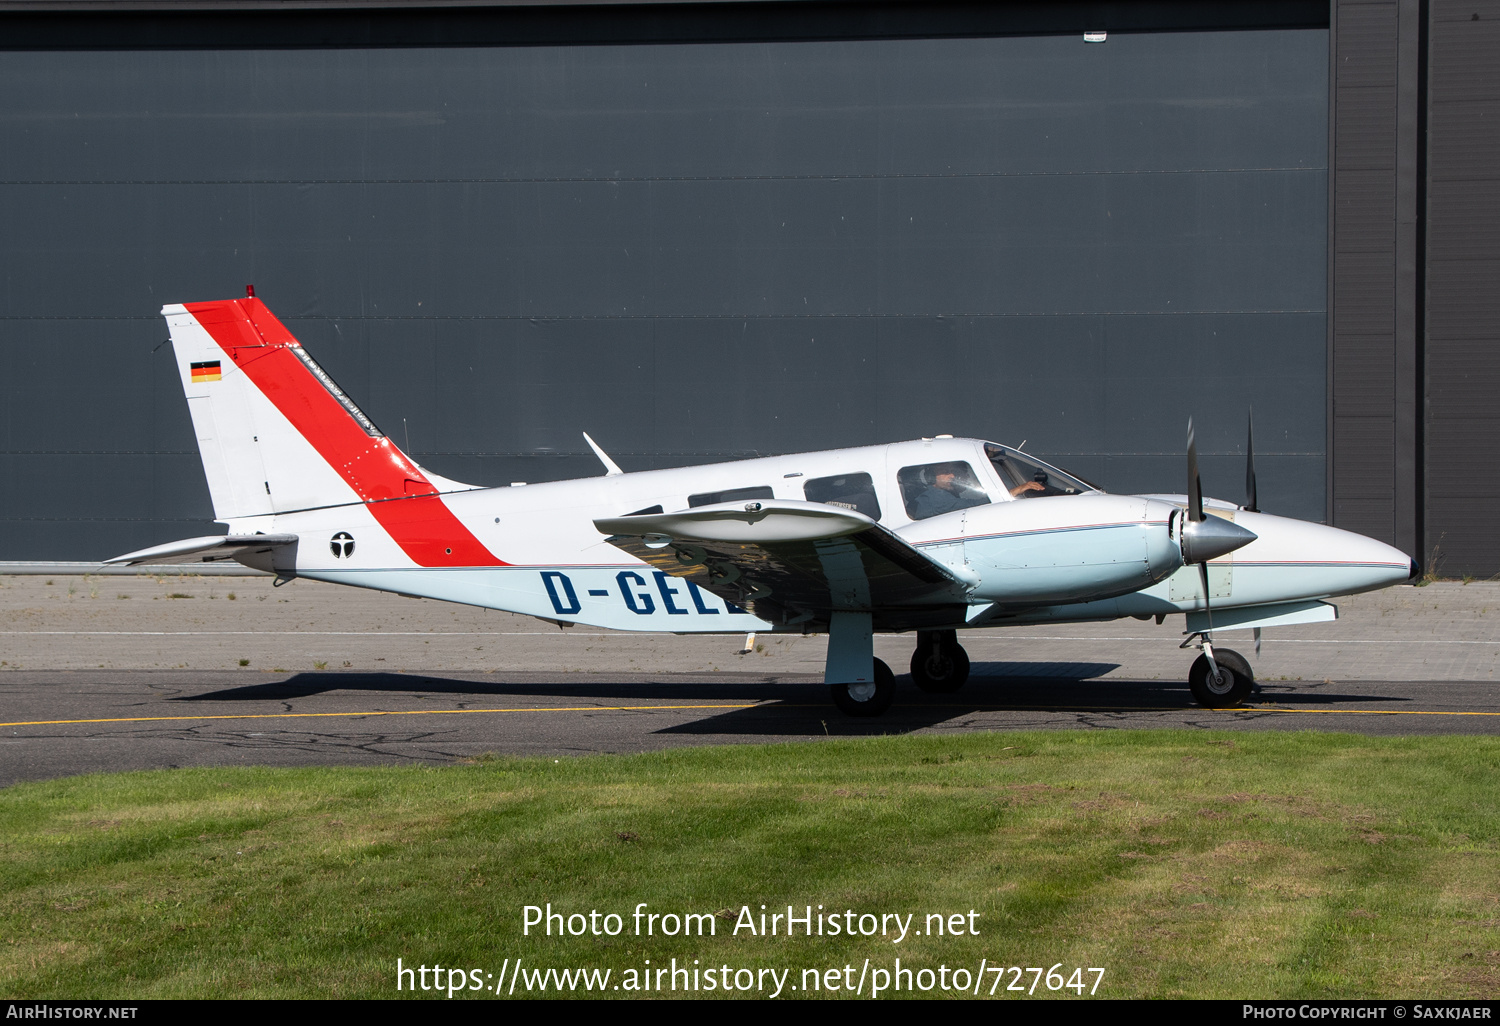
(1185, 863)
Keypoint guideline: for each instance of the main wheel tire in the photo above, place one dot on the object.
(866, 699)
(939, 669)
(1232, 688)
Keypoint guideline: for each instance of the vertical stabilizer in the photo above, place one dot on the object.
(275, 432)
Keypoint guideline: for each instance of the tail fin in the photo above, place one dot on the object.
(275, 433)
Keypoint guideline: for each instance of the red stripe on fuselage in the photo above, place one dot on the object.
(393, 488)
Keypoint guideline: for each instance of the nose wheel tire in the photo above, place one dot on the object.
(869, 699)
(939, 668)
(1230, 688)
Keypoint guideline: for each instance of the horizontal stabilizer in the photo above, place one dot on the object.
(255, 550)
(793, 562)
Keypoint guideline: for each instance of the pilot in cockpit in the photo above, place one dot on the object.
(1013, 468)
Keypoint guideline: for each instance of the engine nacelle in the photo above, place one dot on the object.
(1073, 548)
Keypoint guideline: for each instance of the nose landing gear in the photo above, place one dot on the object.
(1220, 678)
(939, 665)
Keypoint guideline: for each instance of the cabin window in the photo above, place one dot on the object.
(851, 491)
(935, 488)
(731, 495)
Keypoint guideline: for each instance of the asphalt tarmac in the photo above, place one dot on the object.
(108, 674)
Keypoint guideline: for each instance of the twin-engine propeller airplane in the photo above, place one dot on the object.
(927, 536)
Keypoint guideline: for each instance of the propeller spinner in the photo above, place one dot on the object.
(1205, 537)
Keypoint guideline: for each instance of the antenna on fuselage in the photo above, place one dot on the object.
(611, 468)
(1250, 495)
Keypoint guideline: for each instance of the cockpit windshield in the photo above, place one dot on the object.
(1026, 477)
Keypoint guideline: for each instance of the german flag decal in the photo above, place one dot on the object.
(206, 371)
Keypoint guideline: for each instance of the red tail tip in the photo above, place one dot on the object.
(249, 291)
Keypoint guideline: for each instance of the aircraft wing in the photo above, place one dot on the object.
(792, 562)
(250, 549)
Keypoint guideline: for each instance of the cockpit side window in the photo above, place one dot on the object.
(935, 488)
(851, 491)
(1027, 478)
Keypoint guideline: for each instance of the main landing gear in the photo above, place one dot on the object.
(1220, 678)
(866, 698)
(939, 665)
(862, 685)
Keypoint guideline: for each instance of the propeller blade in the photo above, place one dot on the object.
(1195, 485)
(1203, 537)
(1250, 465)
(1207, 610)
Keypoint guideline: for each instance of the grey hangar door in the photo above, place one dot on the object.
(693, 250)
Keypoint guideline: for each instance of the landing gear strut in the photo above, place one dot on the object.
(939, 665)
(1220, 678)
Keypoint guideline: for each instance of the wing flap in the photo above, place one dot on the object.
(746, 523)
(794, 562)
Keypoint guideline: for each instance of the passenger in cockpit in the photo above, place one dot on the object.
(945, 494)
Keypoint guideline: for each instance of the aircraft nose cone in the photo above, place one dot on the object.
(1211, 538)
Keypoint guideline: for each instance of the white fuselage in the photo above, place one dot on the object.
(1067, 557)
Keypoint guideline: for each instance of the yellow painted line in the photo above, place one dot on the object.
(745, 705)
(396, 712)
(1359, 712)
(1201, 709)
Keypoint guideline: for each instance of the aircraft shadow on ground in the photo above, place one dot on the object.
(802, 707)
(745, 687)
(812, 713)
(599, 686)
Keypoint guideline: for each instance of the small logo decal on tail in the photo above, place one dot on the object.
(206, 372)
(342, 545)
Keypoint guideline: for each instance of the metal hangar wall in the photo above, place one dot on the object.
(1414, 326)
(702, 231)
